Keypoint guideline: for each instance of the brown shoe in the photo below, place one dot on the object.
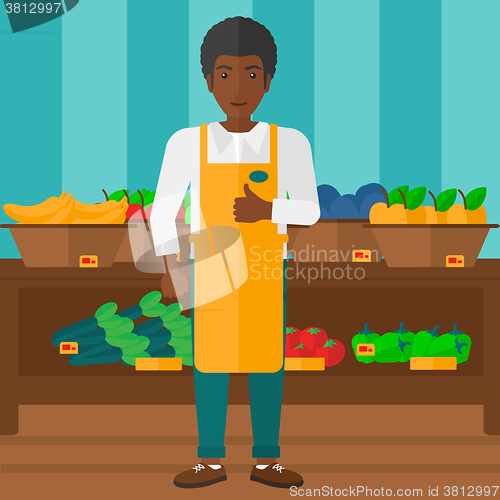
(276, 475)
(200, 475)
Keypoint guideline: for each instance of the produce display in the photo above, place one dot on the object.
(66, 210)
(405, 206)
(141, 204)
(313, 342)
(401, 345)
(110, 336)
(348, 206)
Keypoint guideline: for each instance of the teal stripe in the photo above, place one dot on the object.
(95, 99)
(471, 104)
(410, 93)
(290, 101)
(30, 118)
(158, 99)
(202, 16)
(347, 113)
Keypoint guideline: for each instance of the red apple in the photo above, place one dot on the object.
(148, 211)
(181, 214)
(134, 211)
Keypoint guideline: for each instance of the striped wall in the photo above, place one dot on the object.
(471, 104)
(30, 118)
(347, 93)
(385, 90)
(95, 99)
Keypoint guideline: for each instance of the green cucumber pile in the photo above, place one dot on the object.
(110, 336)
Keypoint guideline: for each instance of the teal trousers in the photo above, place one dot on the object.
(266, 393)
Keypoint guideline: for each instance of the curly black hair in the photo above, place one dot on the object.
(238, 36)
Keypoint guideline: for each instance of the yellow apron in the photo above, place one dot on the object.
(241, 331)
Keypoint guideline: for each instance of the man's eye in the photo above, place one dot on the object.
(224, 75)
(253, 75)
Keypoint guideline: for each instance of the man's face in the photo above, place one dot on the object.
(238, 84)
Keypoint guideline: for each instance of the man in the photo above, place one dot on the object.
(248, 181)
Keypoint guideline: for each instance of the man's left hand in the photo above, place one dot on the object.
(251, 208)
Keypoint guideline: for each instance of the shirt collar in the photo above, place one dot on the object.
(254, 138)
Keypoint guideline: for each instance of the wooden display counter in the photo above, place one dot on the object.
(338, 297)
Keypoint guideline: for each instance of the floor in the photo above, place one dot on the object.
(133, 452)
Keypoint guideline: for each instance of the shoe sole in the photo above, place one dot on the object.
(200, 485)
(273, 484)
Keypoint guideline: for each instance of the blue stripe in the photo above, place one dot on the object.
(30, 128)
(290, 101)
(471, 104)
(95, 99)
(346, 74)
(158, 98)
(410, 93)
(202, 16)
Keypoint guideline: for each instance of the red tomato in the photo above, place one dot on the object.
(333, 351)
(313, 337)
(292, 338)
(299, 352)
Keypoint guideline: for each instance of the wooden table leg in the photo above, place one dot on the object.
(492, 418)
(9, 418)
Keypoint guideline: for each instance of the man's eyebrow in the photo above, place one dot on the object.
(253, 66)
(224, 66)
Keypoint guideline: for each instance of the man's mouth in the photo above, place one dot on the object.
(238, 103)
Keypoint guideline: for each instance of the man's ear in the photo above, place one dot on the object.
(209, 83)
(268, 83)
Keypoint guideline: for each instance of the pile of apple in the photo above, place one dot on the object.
(403, 206)
(313, 342)
(141, 204)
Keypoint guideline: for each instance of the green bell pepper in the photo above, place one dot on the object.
(443, 347)
(406, 346)
(421, 343)
(462, 345)
(364, 337)
(387, 349)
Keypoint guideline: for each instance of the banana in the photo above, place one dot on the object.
(116, 216)
(91, 212)
(65, 216)
(37, 214)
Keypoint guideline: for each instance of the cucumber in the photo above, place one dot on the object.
(150, 300)
(130, 360)
(112, 322)
(155, 311)
(92, 351)
(157, 342)
(164, 352)
(74, 331)
(126, 327)
(123, 341)
(183, 350)
(134, 312)
(177, 323)
(141, 345)
(106, 311)
(149, 327)
(183, 332)
(187, 360)
(97, 338)
(175, 342)
(112, 357)
(173, 310)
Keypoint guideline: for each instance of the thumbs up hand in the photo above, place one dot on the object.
(251, 208)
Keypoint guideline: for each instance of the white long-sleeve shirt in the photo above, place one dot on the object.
(181, 167)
